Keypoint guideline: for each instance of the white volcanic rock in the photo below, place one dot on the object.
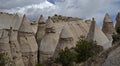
(9, 20)
(40, 33)
(15, 48)
(25, 25)
(95, 34)
(108, 27)
(28, 44)
(66, 40)
(5, 46)
(49, 43)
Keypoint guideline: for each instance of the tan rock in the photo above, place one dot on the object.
(117, 20)
(66, 40)
(108, 27)
(15, 48)
(95, 34)
(50, 26)
(25, 25)
(41, 29)
(40, 33)
(5, 46)
(28, 44)
(49, 43)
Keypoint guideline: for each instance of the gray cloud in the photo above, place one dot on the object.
(76, 8)
(8, 4)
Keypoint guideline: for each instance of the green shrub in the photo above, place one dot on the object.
(83, 50)
(3, 59)
(118, 30)
(39, 64)
(86, 49)
(66, 57)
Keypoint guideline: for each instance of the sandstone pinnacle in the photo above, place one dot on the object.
(41, 20)
(49, 23)
(117, 20)
(25, 25)
(107, 18)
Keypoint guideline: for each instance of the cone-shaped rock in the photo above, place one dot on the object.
(117, 20)
(40, 32)
(25, 25)
(49, 43)
(28, 44)
(41, 20)
(95, 34)
(108, 27)
(66, 40)
(90, 36)
(50, 26)
(15, 48)
(41, 29)
(107, 18)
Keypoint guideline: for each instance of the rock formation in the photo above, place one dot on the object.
(15, 48)
(65, 40)
(108, 26)
(5, 46)
(117, 20)
(49, 41)
(28, 44)
(95, 34)
(41, 29)
(40, 33)
(52, 35)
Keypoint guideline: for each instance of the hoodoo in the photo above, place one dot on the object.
(28, 44)
(95, 34)
(40, 33)
(41, 29)
(117, 21)
(50, 26)
(108, 26)
(66, 40)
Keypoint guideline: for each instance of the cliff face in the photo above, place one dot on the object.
(25, 47)
(17, 40)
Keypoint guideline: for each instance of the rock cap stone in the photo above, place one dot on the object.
(49, 23)
(41, 20)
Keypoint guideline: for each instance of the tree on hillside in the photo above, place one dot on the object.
(66, 57)
(86, 49)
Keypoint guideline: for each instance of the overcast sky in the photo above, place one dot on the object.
(85, 9)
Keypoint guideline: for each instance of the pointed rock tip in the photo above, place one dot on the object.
(118, 16)
(41, 19)
(107, 18)
(25, 25)
(49, 23)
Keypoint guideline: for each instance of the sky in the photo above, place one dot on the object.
(85, 9)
